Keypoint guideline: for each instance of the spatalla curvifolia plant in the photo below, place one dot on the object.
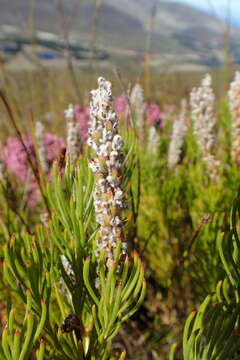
(73, 274)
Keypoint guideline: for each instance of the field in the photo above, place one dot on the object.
(119, 214)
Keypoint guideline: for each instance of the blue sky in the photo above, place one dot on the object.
(219, 7)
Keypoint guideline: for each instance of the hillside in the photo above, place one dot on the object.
(190, 33)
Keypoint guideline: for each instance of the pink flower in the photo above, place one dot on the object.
(154, 115)
(17, 162)
(54, 146)
(121, 105)
(16, 157)
(82, 116)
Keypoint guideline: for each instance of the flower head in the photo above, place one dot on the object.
(107, 164)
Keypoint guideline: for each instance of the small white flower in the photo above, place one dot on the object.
(69, 113)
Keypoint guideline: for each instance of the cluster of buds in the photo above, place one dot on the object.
(234, 98)
(138, 107)
(202, 102)
(178, 136)
(41, 148)
(107, 145)
(74, 143)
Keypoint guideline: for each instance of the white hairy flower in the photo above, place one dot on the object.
(153, 140)
(69, 113)
(74, 143)
(202, 102)
(178, 136)
(41, 148)
(107, 145)
(234, 103)
(137, 104)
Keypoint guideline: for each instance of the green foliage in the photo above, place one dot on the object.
(213, 331)
(76, 308)
(65, 302)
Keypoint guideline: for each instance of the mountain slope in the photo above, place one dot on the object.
(179, 29)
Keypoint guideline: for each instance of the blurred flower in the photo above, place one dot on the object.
(138, 108)
(137, 98)
(202, 102)
(153, 140)
(16, 157)
(234, 101)
(177, 138)
(121, 105)
(82, 116)
(17, 163)
(54, 146)
(154, 115)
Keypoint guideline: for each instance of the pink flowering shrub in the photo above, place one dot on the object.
(82, 116)
(54, 146)
(17, 163)
(154, 115)
(15, 156)
(121, 105)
